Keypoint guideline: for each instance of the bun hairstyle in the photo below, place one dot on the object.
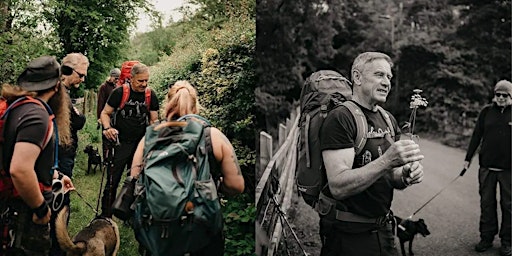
(181, 100)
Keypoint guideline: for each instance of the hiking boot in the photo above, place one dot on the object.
(483, 245)
(505, 250)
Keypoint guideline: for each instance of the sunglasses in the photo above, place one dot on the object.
(80, 75)
(504, 95)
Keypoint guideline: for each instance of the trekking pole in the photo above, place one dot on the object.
(446, 186)
(282, 215)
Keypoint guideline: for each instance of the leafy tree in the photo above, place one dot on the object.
(97, 28)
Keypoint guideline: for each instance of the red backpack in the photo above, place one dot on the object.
(7, 189)
(126, 95)
(126, 69)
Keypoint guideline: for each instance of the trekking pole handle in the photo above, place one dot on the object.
(463, 171)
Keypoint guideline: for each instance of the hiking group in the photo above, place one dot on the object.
(352, 155)
(176, 167)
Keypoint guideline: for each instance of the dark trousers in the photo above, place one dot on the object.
(488, 181)
(122, 158)
(379, 241)
(214, 248)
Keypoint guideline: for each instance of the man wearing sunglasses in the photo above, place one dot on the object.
(73, 72)
(493, 134)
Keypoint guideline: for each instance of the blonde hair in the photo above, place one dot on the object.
(181, 100)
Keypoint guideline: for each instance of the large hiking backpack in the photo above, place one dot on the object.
(126, 69)
(323, 91)
(7, 189)
(177, 209)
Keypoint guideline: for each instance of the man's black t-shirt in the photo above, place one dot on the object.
(131, 121)
(29, 123)
(338, 132)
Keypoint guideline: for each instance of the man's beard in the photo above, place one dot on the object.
(59, 103)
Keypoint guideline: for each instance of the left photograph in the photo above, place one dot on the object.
(127, 127)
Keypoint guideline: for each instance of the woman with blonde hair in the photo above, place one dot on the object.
(182, 105)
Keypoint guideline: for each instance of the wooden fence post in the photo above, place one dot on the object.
(265, 152)
(282, 134)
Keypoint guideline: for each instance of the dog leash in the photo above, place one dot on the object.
(447, 185)
(87, 203)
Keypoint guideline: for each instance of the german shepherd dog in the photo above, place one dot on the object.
(94, 159)
(407, 229)
(99, 238)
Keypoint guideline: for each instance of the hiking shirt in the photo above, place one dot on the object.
(105, 89)
(131, 121)
(493, 130)
(29, 123)
(338, 132)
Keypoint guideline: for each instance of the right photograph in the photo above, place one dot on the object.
(384, 128)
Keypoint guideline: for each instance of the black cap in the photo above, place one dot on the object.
(40, 74)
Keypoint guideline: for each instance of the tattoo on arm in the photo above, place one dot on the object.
(233, 154)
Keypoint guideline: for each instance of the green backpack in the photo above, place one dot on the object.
(177, 209)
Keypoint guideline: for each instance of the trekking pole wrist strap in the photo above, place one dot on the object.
(42, 210)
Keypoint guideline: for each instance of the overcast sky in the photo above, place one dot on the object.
(166, 7)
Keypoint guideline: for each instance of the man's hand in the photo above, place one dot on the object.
(45, 219)
(68, 184)
(111, 133)
(413, 173)
(402, 152)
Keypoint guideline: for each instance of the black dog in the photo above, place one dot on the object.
(407, 229)
(94, 159)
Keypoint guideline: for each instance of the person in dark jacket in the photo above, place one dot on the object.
(73, 72)
(493, 134)
(103, 92)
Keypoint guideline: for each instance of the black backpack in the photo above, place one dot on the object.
(323, 91)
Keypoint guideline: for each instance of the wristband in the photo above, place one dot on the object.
(42, 210)
(106, 128)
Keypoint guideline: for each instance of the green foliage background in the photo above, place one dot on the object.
(454, 50)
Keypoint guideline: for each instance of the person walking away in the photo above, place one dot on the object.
(28, 156)
(492, 133)
(128, 127)
(181, 101)
(355, 215)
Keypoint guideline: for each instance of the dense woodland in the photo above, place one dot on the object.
(454, 50)
(212, 47)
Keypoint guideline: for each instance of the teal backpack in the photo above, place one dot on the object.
(177, 209)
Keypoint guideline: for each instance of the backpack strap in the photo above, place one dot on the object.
(361, 125)
(126, 95)
(147, 98)
(385, 114)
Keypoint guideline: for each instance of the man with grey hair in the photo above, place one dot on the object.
(132, 107)
(355, 215)
(492, 133)
(103, 92)
(73, 72)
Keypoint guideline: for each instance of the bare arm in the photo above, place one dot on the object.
(153, 115)
(137, 159)
(233, 181)
(23, 174)
(106, 113)
(344, 181)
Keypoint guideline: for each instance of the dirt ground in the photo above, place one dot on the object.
(305, 224)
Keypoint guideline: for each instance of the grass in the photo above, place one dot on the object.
(88, 186)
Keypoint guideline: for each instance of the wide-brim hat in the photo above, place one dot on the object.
(40, 74)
